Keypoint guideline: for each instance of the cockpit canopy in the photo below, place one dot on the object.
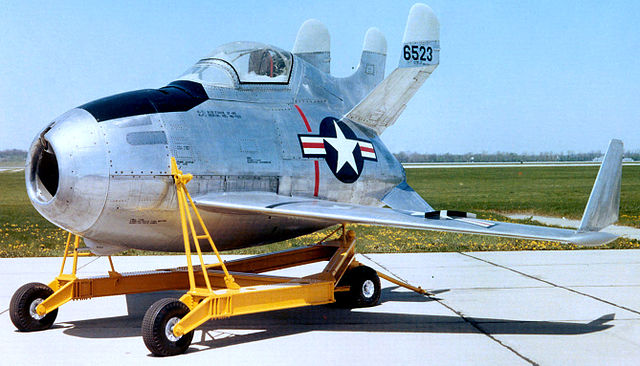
(246, 62)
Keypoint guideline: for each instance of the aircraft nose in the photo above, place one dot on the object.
(67, 172)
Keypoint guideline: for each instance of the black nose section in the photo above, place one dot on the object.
(179, 96)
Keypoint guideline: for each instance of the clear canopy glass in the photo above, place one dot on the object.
(210, 72)
(255, 62)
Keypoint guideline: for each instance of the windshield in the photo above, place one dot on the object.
(255, 62)
(210, 72)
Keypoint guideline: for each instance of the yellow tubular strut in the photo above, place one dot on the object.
(65, 285)
(183, 197)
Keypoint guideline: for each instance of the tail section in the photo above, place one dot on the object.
(313, 44)
(420, 56)
(604, 201)
(370, 71)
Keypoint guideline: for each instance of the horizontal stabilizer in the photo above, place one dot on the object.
(604, 201)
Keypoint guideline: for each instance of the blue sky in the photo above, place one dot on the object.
(513, 76)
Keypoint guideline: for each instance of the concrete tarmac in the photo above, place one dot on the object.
(489, 308)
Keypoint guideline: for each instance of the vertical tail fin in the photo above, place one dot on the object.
(604, 201)
(313, 44)
(370, 70)
(420, 56)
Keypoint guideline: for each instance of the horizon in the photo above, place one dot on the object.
(561, 153)
(525, 79)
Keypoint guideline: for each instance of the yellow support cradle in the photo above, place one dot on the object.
(217, 290)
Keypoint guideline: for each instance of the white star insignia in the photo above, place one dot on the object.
(344, 147)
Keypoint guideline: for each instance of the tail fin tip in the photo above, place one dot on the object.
(422, 25)
(374, 41)
(313, 44)
(604, 202)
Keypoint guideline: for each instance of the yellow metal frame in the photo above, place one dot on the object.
(221, 289)
(207, 303)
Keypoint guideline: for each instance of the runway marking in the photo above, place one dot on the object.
(552, 284)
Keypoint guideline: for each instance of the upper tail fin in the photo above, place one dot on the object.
(604, 201)
(313, 44)
(370, 70)
(420, 56)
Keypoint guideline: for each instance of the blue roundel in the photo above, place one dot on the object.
(341, 149)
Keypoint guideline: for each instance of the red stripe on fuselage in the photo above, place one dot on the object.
(366, 149)
(317, 185)
(313, 145)
(304, 118)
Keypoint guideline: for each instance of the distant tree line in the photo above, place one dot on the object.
(13, 155)
(414, 157)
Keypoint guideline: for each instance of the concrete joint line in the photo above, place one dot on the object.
(477, 326)
(552, 284)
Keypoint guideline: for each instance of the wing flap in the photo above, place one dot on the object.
(271, 204)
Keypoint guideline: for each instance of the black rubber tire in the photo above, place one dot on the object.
(357, 297)
(20, 307)
(154, 325)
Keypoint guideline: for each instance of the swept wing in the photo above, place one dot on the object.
(601, 210)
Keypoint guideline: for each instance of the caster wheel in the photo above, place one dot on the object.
(157, 328)
(22, 308)
(364, 288)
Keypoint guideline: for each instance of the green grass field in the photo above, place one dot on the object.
(553, 191)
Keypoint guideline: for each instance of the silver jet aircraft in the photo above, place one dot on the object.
(277, 147)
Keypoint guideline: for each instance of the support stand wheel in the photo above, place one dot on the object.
(22, 308)
(157, 328)
(364, 288)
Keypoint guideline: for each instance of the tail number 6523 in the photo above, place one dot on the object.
(418, 53)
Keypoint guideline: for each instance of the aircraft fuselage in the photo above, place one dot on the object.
(112, 160)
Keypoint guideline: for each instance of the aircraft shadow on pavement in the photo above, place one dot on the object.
(256, 327)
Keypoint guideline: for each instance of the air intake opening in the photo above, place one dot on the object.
(44, 171)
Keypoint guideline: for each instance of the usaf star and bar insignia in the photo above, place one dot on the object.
(341, 149)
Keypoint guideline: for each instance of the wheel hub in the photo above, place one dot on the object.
(32, 309)
(168, 329)
(368, 289)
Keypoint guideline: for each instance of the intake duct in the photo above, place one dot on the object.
(44, 174)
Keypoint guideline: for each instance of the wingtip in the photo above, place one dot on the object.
(592, 238)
